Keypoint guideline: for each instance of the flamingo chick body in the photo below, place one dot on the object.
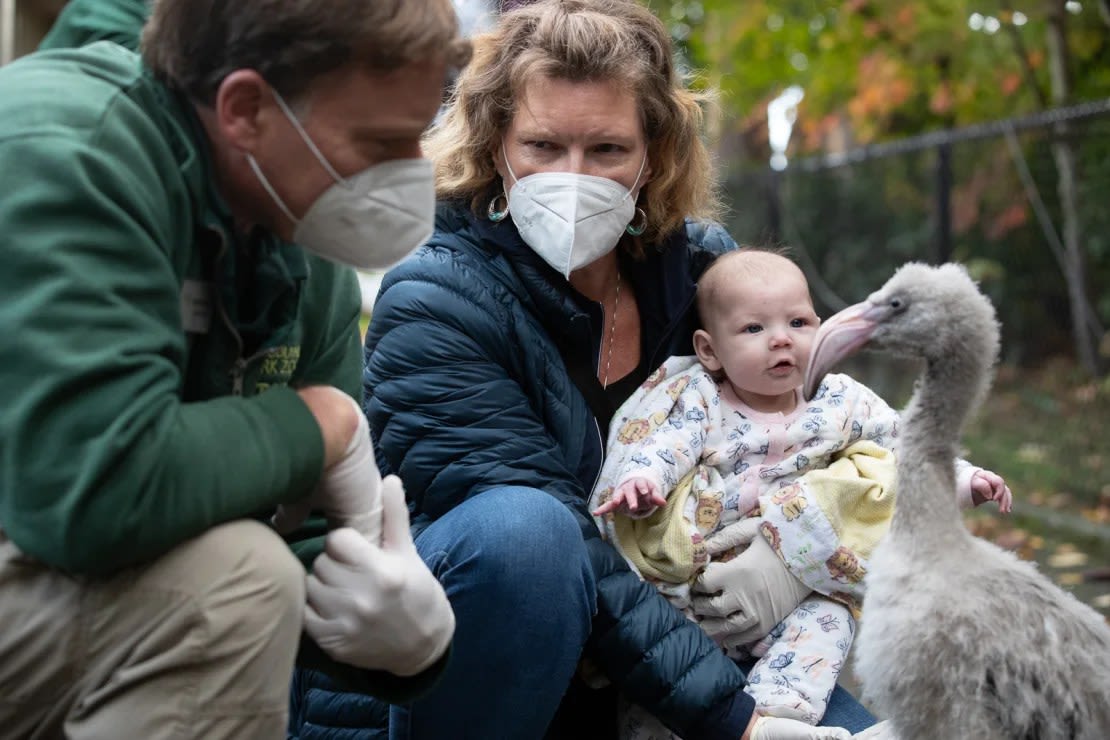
(958, 638)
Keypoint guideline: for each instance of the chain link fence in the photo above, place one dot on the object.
(988, 196)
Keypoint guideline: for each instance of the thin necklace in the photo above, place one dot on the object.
(612, 333)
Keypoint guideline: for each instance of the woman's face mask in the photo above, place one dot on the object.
(570, 220)
(371, 220)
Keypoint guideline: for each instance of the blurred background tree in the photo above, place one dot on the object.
(1026, 213)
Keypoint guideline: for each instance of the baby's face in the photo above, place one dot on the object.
(761, 332)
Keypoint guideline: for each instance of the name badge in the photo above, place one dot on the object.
(196, 306)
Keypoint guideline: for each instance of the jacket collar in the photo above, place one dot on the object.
(663, 278)
(279, 268)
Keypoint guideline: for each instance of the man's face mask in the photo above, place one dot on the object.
(567, 219)
(371, 220)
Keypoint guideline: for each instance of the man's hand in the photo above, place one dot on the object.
(349, 492)
(742, 599)
(989, 486)
(378, 607)
(778, 728)
(636, 497)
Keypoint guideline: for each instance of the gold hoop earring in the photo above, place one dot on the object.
(496, 214)
(637, 230)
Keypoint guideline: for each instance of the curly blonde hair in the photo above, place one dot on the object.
(578, 40)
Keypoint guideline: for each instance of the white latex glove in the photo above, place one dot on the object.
(378, 607)
(741, 600)
(779, 728)
(881, 731)
(349, 492)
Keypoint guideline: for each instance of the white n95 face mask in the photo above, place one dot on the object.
(371, 220)
(570, 220)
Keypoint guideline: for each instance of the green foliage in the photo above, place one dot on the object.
(893, 67)
(884, 70)
(1047, 433)
(851, 226)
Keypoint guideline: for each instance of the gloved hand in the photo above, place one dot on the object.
(881, 731)
(742, 599)
(779, 728)
(378, 607)
(349, 492)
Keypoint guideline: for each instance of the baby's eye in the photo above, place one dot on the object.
(798, 323)
(752, 329)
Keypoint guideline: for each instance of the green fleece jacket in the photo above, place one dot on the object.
(134, 415)
(149, 351)
(85, 21)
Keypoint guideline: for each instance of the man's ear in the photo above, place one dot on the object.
(242, 106)
(703, 348)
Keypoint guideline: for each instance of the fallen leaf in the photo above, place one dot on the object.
(1032, 453)
(1102, 602)
(1067, 559)
(1069, 579)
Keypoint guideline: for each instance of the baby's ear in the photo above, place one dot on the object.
(703, 348)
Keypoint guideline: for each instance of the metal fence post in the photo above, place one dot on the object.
(7, 31)
(942, 247)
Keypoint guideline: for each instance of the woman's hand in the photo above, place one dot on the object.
(742, 599)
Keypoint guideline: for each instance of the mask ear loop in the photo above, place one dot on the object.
(270, 189)
(308, 139)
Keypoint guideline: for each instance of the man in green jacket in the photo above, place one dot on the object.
(181, 362)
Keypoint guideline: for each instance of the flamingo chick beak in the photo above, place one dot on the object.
(840, 336)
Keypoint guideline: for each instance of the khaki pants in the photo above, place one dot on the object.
(199, 643)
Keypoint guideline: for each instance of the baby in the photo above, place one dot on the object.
(731, 491)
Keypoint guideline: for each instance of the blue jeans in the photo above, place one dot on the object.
(515, 568)
(845, 711)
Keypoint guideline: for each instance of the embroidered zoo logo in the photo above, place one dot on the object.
(277, 366)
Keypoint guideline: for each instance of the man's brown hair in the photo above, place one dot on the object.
(193, 45)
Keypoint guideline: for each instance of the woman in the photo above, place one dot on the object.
(561, 273)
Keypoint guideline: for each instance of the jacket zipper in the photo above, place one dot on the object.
(238, 368)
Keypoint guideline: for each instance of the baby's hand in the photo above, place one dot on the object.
(634, 496)
(988, 486)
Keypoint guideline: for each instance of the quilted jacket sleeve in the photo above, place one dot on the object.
(444, 350)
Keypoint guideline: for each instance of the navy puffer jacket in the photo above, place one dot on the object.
(467, 389)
